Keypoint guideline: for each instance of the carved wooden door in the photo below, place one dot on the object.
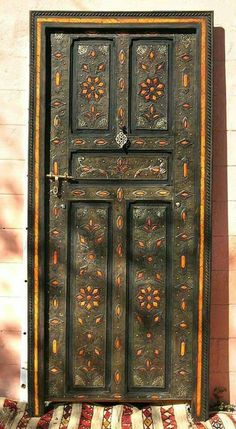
(122, 201)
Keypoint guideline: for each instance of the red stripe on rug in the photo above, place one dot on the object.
(168, 418)
(86, 416)
(12, 405)
(66, 416)
(199, 425)
(216, 422)
(44, 421)
(126, 417)
(23, 423)
(107, 415)
(147, 418)
(232, 418)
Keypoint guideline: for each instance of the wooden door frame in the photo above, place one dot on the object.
(41, 21)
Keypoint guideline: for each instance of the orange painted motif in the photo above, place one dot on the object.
(185, 169)
(185, 80)
(120, 194)
(118, 311)
(185, 122)
(55, 257)
(117, 377)
(183, 262)
(58, 78)
(117, 343)
(182, 348)
(55, 303)
(184, 215)
(55, 168)
(122, 57)
(119, 222)
(54, 346)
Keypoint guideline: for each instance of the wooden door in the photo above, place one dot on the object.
(122, 257)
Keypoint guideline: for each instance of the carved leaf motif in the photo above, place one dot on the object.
(101, 67)
(119, 222)
(118, 311)
(122, 84)
(117, 343)
(85, 67)
(160, 66)
(120, 194)
(144, 66)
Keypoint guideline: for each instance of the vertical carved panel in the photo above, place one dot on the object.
(122, 68)
(89, 296)
(147, 296)
(92, 82)
(185, 225)
(57, 275)
(150, 97)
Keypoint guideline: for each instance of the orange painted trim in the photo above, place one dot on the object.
(110, 21)
(203, 62)
(36, 221)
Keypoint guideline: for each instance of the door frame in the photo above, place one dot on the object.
(41, 22)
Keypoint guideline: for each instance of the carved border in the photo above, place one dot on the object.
(37, 406)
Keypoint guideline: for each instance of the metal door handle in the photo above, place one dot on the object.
(122, 139)
(58, 179)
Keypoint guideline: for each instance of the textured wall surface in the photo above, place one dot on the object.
(14, 83)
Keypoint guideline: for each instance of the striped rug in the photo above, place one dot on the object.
(14, 415)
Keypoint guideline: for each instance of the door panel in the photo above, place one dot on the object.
(125, 244)
(149, 75)
(126, 167)
(121, 296)
(93, 75)
(89, 319)
(147, 299)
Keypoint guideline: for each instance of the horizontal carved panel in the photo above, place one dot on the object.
(131, 167)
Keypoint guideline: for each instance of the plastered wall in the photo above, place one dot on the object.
(14, 84)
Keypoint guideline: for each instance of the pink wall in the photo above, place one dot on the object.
(223, 300)
(13, 189)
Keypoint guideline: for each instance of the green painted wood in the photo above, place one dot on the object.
(121, 258)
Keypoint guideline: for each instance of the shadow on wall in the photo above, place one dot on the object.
(219, 330)
(10, 349)
(11, 252)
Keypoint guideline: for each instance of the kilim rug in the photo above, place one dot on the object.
(14, 415)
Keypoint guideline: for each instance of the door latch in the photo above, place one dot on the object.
(58, 179)
(122, 139)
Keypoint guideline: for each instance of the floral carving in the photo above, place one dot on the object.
(88, 297)
(93, 114)
(152, 89)
(148, 298)
(151, 114)
(122, 165)
(93, 88)
(149, 225)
